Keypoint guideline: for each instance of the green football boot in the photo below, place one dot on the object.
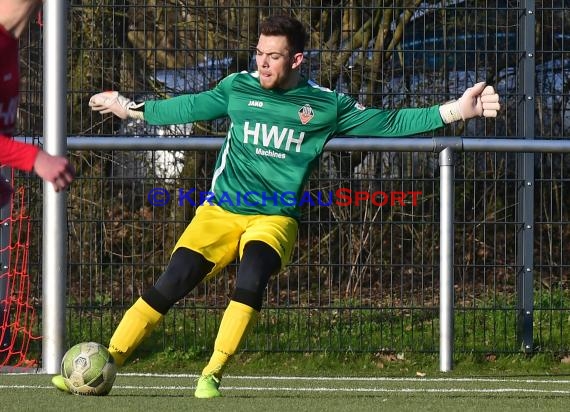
(59, 383)
(207, 387)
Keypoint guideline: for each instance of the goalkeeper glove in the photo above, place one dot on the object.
(120, 106)
(476, 101)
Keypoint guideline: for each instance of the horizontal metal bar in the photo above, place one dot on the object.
(516, 145)
(400, 144)
(214, 143)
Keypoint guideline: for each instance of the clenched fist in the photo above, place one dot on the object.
(476, 101)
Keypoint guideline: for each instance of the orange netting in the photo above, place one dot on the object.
(17, 314)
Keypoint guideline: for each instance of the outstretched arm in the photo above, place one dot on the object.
(481, 100)
(186, 108)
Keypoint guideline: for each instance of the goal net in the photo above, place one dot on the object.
(17, 314)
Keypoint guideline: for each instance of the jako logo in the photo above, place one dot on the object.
(255, 103)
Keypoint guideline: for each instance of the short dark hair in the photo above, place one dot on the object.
(286, 26)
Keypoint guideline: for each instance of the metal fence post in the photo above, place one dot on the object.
(446, 305)
(525, 207)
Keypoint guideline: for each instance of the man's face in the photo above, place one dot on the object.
(275, 63)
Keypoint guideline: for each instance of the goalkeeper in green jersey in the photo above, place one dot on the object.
(280, 123)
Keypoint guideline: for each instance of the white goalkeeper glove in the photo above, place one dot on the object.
(476, 101)
(120, 106)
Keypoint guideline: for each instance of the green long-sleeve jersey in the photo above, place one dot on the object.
(276, 137)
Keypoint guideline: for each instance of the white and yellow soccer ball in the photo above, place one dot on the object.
(88, 369)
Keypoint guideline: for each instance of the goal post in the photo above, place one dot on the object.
(5, 174)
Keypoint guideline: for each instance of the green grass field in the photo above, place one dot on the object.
(155, 392)
(314, 382)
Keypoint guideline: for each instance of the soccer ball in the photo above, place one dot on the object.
(88, 369)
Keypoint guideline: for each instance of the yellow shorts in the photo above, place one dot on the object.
(220, 235)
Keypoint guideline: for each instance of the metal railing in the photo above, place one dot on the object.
(446, 147)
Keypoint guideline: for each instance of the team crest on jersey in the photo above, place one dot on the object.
(306, 114)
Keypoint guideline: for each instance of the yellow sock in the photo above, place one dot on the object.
(233, 329)
(137, 323)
